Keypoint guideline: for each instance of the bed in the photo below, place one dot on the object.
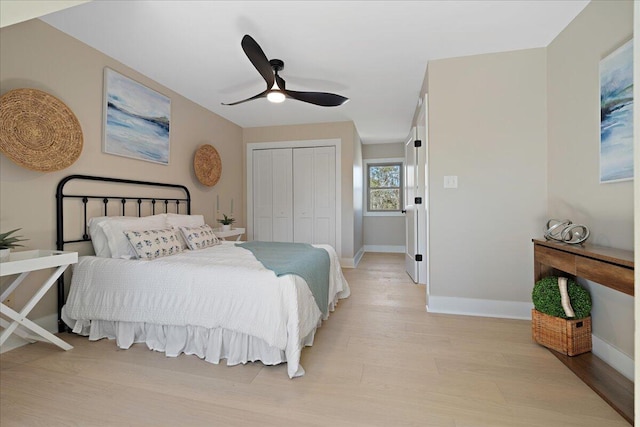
(217, 301)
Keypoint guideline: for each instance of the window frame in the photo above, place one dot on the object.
(368, 163)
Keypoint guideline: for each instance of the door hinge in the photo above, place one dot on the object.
(418, 257)
(418, 200)
(417, 143)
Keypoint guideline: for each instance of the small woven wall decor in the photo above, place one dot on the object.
(38, 131)
(207, 165)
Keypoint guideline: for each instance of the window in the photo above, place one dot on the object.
(384, 187)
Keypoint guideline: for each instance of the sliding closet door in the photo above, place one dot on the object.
(263, 195)
(303, 195)
(314, 178)
(272, 205)
(282, 188)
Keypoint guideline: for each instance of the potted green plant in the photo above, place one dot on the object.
(226, 222)
(7, 241)
(561, 318)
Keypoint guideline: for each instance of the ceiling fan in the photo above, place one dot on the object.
(276, 87)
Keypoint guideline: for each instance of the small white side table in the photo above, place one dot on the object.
(23, 263)
(237, 232)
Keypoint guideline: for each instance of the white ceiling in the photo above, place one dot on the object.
(373, 52)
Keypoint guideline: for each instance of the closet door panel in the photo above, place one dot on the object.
(324, 189)
(282, 195)
(263, 195)
(303, 177)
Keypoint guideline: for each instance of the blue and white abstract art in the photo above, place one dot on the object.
(616, 115)
(136, 120)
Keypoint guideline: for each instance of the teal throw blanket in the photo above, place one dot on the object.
(302, 259)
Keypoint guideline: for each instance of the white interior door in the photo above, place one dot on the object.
(314, 195)
(411, 209)
(422, 185)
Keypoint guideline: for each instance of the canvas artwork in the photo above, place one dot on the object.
(136, 120)
(616, 115)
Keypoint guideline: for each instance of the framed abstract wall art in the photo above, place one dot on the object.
(616, 115)
(136, 120)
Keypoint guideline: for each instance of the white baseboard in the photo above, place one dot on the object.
(352, 262)
(392, 249)
(613, 357)
(347, 263)
(50, 323)
(480, 307)
(358, 257)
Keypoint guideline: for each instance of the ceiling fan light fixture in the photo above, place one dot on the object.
(275, 96)
(276, 91)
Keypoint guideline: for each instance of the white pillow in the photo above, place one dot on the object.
(176, 221)
(150, 244)
(98, 238)
(118, 242)
(199, 237)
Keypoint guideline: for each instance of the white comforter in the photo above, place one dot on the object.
(219, 287)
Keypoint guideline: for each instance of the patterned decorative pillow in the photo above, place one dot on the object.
(150, 244)
(177, 220)
(113, 229)
(199, 237)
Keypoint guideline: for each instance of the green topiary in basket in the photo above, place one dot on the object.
(546, 298)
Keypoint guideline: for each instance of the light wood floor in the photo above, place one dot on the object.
(380, 360)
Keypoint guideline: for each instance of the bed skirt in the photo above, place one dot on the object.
(211, 345)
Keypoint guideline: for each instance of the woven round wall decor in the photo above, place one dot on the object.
(207, 165)
(38, 131)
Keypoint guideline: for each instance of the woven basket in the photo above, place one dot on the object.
(566, 336)
(38, 131)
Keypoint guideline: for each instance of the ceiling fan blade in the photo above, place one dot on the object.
(257, 57)
(322, 99)
(260, 95)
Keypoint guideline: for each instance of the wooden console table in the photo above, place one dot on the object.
(609, 267)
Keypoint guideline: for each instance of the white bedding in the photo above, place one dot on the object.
(201, 296)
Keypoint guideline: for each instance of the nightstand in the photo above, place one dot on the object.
(237, 232)
(23, 263)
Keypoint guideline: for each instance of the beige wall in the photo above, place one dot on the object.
(381, 151)
(487, 125)
(573, 160)
(350, 141)
(383, 230)
(39, 56)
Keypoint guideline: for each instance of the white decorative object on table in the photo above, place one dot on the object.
(23, 263)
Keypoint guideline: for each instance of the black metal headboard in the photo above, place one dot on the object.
(180, 204)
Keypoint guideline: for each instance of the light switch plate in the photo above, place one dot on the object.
(451, 181)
